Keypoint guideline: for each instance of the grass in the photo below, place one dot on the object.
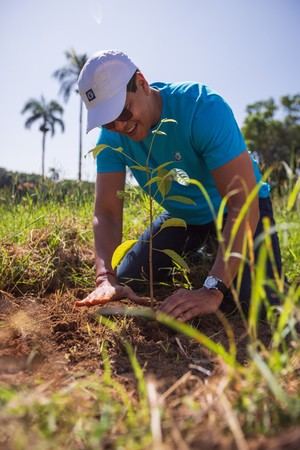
(47, 252)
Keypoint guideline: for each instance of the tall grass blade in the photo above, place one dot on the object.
(204, 340)
(293, 195)
(258, 293)
(205, 195)
(267, 374)
(244, 211)
(138, 372)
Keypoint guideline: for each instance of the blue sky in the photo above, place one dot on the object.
(247, 50)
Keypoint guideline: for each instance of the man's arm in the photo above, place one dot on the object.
(236, 175)
(108, 218)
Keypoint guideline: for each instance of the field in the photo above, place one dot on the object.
(117, 378)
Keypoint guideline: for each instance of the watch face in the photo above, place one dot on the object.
(211, 282)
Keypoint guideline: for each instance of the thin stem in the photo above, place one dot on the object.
(43, 154)
(80, 142)
(150, 251)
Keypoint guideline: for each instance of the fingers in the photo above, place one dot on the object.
(177, 299)
(145, 301)
(91, 302)
(181, 308)
(188, 315)
(130, 294)
(103, 295)
(185, 305)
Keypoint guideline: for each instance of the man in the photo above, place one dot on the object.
(206, 144)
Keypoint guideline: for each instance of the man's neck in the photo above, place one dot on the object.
(157, 106)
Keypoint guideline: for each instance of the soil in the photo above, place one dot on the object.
(48, 339)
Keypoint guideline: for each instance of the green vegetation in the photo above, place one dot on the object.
(273, 132)
(240, 383)
(80, 380)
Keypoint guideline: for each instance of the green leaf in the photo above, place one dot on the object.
(181, 199)
(141, 168)
(153, 180)
(164, 185)
(176, 258)
(173, 223)
(121, 251)
(162, 166)
(99, 148)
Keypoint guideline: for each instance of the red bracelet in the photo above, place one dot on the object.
(107, 272)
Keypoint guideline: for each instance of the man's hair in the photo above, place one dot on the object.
(131, 85)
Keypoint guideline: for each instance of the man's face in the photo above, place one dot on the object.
(141, 109)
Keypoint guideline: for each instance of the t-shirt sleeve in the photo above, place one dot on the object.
(110, 160)
(216, 134)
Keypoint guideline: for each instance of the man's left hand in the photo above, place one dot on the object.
(185, 305)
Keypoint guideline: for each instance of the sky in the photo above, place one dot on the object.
(247, 50)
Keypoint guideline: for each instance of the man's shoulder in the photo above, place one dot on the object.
(188, 91)
(179, 87)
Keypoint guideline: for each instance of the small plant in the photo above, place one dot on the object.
(163, 179)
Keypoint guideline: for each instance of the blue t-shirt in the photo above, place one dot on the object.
(204, 137)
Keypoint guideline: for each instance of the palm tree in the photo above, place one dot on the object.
(45, 112)
(68, 76)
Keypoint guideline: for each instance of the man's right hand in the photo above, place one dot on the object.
(106, 292)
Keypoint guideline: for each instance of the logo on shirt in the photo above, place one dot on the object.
(90, 94)
(177, 156)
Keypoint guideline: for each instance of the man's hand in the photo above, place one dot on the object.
(185, 305)
(107, 292)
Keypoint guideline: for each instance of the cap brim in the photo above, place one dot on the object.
(106, 111)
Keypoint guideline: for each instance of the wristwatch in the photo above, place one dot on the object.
(212, 282)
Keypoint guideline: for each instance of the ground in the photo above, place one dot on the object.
(47, 340)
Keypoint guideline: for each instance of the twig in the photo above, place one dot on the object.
(154, 403)
(233, 423)
(177, 438)
(181, 347)
(174, 386)
(200, 369)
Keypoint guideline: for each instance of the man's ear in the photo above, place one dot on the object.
(142, 82)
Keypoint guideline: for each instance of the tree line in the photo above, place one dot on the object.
(272, 130)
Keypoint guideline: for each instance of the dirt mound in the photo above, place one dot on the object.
(47, 340)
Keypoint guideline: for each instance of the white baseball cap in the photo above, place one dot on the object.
(102, 85)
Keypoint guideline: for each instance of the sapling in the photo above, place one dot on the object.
(163, 178)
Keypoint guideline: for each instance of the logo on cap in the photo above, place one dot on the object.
(90, 95)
